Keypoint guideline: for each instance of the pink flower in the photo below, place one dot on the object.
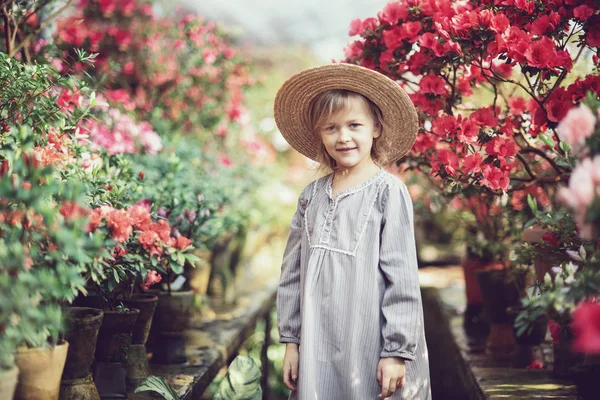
(152, 277)
(554, 328)
(583, 12)
(432, 84)
(225, 161)
(586, 328)
(577, 125)
(580, 192)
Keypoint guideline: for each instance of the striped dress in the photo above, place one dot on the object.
(349, 290)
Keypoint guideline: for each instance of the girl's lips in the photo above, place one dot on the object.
(346, 150)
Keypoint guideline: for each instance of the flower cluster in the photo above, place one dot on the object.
(119, 133)
(179, 74)
(448, 53)
(135, 224)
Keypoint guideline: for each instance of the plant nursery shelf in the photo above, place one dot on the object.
(460, 367)
(213, 344)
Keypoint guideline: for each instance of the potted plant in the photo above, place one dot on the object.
(46, 253)
(143, 250)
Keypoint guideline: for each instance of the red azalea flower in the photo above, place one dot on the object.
(517, 105)
(494, 178)
(392, 37)
(182, 242)
(386, 58)
(119, 252)
(446, 160)
(555, 331)
(152, 277)
(468, 132)
(140, 217)
(592, 36)
(501, 147)
(148, 239)
(473, 163)
(545, 24)
(542, 53)
(433, 84)
(393, 12)
(162, 229)
(351, 50)
(558, 104)
(551, 238)
(586, 328)
(485, 116)
(120, 224)
(583, 12)
(535, 365)
(499, 23)
(70, 209)
(355, 27)
(95, 219)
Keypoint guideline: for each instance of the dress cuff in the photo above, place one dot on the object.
(400, 354)
(284, 339)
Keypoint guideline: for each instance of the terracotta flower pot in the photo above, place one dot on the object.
(40, 370)
(114, 341)
(475, 321)
(220, 286)
(499, 292)
(83, 324)
(146, 303)
(114, 337)
(137, 368)
(528, 349)
(173, 311)
(542, 263)
(198, 275)
(172, 317)
(8, 383)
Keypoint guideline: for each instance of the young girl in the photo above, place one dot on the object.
(349, 305)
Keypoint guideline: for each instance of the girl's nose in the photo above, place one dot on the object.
(343, 136)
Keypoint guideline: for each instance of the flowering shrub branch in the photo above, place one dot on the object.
(446, 52)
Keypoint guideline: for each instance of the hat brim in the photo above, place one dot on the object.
(293, 100)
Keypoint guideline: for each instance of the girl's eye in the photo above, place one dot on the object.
(330, 128)
(354, 125)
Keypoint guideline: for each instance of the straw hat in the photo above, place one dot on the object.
(292, 105)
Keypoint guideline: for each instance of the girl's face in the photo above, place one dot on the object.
(348, 135)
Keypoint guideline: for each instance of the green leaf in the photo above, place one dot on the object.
(564, 146)
(529, 223)
(158, 385)
(532, 204)
(547, 140)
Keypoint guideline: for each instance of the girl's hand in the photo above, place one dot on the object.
(391, 373)
(290, 366)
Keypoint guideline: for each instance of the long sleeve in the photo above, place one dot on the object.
(288, 293)
(402, 307)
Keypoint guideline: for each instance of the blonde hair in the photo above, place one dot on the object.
(331, 102)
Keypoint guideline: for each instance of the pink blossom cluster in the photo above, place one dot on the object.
(582, 191)
(118, 132)
(584, 183)
(183, 69)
